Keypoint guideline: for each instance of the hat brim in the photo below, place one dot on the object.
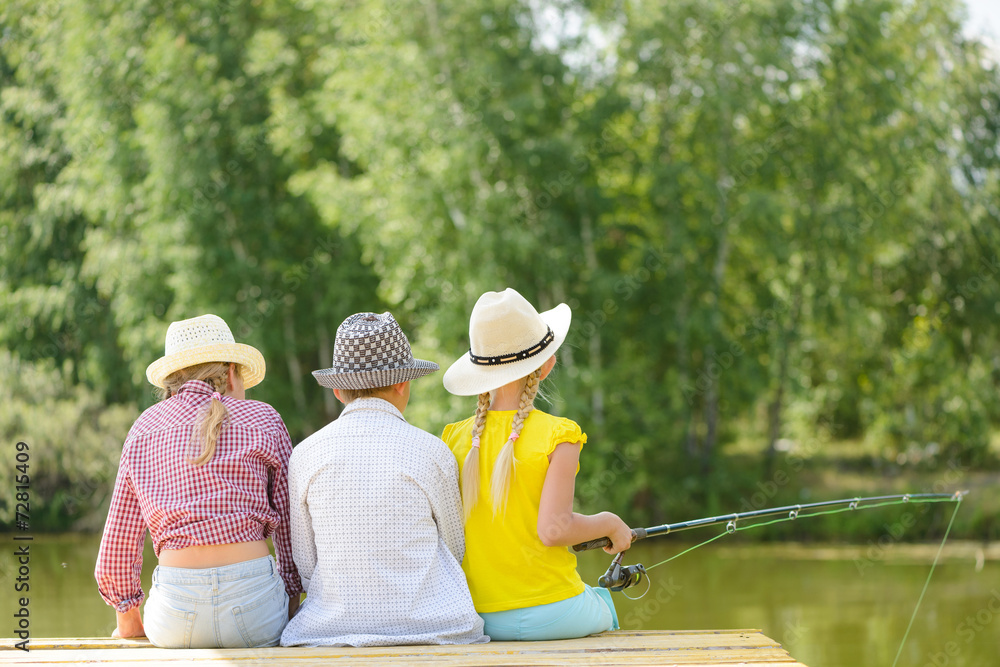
(383, 377)
(464, 378)
(251, 361)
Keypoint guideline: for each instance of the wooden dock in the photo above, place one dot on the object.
(681, 647)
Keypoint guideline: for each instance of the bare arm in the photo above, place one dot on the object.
(558, 524)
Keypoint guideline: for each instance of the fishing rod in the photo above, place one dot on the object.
(619, 577)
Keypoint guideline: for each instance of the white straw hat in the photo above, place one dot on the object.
(509, 340)
(371, 351)
(204, 339)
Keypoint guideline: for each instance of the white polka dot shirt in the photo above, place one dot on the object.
(377, 535)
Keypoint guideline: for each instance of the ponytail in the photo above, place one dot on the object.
(210, 427)
(213, 419)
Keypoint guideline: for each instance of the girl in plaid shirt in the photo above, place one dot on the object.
(205, 472)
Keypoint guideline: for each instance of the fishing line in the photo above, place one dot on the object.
(619, 577)
(794, 514)
(649, 584)
(732, 527)
(927, 583)
(709, 540)
(792, 511)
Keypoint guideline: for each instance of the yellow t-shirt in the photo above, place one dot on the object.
(505, 563)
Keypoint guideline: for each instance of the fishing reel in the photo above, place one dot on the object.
(619, 577)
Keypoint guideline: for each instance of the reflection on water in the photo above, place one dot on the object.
(841, 610)
(844, 610)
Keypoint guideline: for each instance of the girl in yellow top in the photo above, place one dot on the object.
(518, 469)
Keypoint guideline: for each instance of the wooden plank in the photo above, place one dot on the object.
(683, 647)
(707, 660)
(628, 639)
(505, 661)
(509, 661)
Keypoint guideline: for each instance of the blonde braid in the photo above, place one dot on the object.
(503, 469)
(470, 467)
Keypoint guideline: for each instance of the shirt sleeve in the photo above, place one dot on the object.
(566, 430)
(119, 561)
(282, 537)
(446, 434)
(446, 505)
(303, 538)
(458, 445)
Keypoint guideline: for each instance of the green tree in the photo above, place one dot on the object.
(769, 218)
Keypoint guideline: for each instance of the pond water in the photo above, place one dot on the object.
(829, 606)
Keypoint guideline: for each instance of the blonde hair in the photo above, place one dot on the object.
(348, 395)
(470, 467)
(503, 468)
(208, 429)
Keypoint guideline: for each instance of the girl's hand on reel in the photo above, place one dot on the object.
(619, 533)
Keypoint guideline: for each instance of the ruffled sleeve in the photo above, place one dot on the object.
(566, 430)
(456, 436)
(448, 433)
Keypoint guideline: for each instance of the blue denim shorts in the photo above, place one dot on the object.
(235, 606)
(585, 614)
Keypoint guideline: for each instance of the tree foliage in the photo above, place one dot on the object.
(770, 218)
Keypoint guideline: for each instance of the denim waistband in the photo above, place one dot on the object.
(208, 575)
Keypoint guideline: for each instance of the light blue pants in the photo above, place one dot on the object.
(589, 612)
(236, 606)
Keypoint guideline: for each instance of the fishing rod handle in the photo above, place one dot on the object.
(601, 542)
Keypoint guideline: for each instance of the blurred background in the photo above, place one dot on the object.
(776, 222)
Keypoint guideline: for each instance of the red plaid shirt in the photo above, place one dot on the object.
(241, 495)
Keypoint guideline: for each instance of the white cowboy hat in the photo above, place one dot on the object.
(509, 340)
(371, 351)
(200, 340)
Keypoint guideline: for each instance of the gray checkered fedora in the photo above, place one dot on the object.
(371, 351)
